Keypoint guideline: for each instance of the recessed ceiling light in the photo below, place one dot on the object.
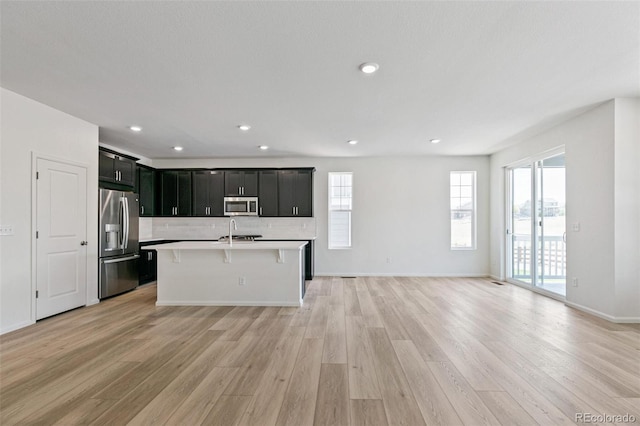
(135, 128)
(244, 127)
(177, 148)
(435, 141)
(369, 67)
(352, 142)
(263, 147)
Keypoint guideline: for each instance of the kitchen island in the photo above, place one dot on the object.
(214, 273)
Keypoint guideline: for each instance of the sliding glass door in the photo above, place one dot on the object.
(536, 243)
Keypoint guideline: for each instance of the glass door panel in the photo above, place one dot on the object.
(521, 218)
(552, 253)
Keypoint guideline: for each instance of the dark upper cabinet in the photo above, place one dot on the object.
(146, 188)
(114, 168)
(241, 183)
(208, 193)
(295, 189)
(175, 193)
(268, 193)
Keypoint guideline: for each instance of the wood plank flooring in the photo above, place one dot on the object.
(361, 351)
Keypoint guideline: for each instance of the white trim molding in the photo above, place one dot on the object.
(611, 318)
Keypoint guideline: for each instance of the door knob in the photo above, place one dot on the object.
(84, 243)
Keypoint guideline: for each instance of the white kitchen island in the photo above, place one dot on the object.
(213, 273)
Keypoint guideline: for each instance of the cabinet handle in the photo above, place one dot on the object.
(296, 211)
(115, 173)
(141, 209)
(260, 211)
(149, 256)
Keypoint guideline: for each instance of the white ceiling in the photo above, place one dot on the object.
(478, 75)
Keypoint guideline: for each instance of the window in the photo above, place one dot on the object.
(340, 188)
(463, 210)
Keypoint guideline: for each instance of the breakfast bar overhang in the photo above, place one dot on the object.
(213, 273)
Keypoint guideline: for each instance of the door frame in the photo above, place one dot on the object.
(35, 156)
(531, 161)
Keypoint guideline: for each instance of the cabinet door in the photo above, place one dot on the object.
(268, 194)
(147, 266)
(286, 192)
(208, 193)
(216, 193)
(184, 193)
(126, 169)
(168, 193)
(146, 190)
(233, 182)
(250, 184)
(106, 170)
(200, 193)
(303, 193)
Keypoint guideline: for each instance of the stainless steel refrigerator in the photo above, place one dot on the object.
(118, 242)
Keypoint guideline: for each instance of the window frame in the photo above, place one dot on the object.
(330, 246)
(473, 210)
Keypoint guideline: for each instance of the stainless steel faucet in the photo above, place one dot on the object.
(231, 228)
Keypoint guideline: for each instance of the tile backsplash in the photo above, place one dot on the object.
(205, 228)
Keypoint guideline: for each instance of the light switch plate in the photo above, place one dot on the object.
(6, 230)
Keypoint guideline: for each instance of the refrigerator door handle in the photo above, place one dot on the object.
(121, 259)
(126, 223)
(123, 213)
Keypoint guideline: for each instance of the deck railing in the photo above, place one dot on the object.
(552, 255)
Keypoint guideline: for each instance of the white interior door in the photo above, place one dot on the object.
(61, 224)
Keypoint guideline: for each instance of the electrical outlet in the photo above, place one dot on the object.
(574, 282)
(388, 260)
(6, 230)
(242, 281)
(575, 227)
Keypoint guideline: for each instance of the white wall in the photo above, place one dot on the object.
(400, 212)
(627, 207)
(591, 152)
(31, 127)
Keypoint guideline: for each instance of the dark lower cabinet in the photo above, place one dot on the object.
(268, 193)
(208, 193)
(175, 193)
(308, 261)
(147, 266)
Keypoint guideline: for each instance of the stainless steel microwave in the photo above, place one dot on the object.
(241, 206)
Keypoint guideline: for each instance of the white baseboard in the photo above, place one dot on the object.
(495, 277)
(15, 327)
(93, 302)
(399, 274)
(225, 303)
(610, 318)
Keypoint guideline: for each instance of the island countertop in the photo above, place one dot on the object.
(237, 245)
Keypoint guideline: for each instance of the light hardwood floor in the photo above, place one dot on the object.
(363, 351)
